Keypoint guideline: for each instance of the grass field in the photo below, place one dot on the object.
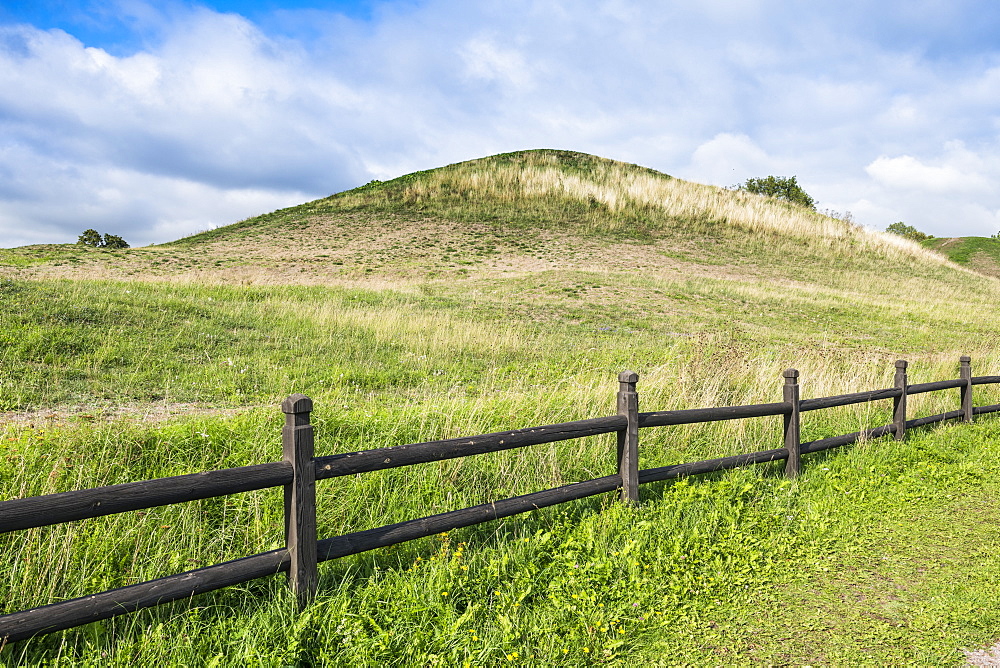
(167, 363)
(979, 253)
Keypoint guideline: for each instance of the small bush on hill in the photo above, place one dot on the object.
(93, 238)
(90, 238)
(786, 188)
(845, 216)
(908, 232)
(114, 241)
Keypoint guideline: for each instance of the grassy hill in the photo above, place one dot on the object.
(511, 213)
(488, 295)
(981, 254)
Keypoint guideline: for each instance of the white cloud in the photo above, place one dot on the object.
(728, 159)
(950, 193)
(485, 59)
(144, 208)
(907, 173)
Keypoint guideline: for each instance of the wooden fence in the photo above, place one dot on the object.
(300, 469)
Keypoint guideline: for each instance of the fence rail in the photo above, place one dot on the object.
(39, 511)
(300, 469)
(433, 451)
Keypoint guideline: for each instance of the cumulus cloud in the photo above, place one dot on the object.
(724, 159)
(960, 174)
(211, 116)
(952, 193)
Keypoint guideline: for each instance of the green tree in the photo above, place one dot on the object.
(907, 231)
(90, 238)
(114, 241)
(786, 188)
(93, 238)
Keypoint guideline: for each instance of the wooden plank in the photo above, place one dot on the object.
(847, 439)
(985, 380)
(87, 609)
(931, 419)
(432, 451)
(792, 427)
(736, 461)
(300, 498)
(362, 541)
(848, 399)
(965, 373)
(695, 415)
(933, 387)
(982, 410)
(710, 465)
(877, 432)
(899, 403)
(628, 438)
(37, 511)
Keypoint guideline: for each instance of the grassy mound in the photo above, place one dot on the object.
(566, 191)
(981, 254)
(510, 213)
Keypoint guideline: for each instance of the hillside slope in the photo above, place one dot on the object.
(980, 254)
(506, 214)
(493, 295)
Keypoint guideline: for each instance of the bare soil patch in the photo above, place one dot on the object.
(984, 263)
(989, 657)
(158, 412)
(384, 251)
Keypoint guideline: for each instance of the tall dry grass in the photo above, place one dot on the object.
(626, 192)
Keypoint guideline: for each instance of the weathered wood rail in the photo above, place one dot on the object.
(299, 470)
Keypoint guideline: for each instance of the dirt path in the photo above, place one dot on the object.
(157, 412)
(989, 657)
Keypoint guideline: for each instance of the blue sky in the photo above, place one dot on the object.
(104, 25)
(153, 120)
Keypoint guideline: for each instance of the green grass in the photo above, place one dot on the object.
(388, 368)
(979, 253)
(382, 304)
(56, 254)
(966, 247)
(880, 554)
(106, 344)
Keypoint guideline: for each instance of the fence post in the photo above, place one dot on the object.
(899, 403)
(300, 497)
(790, 392)
(628, 438)
(965, 373)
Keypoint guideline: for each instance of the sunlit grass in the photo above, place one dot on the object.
(709, 570)
(388, 368)
(708, 294)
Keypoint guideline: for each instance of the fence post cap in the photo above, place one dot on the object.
(297, 403)
(790, 373)
(901, 364)
(965, 359)
(628, 377)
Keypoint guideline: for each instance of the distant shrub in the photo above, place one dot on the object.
(114, 241)
(94, 238)
(90, 238)
(846, 216)
(908, 232)
(786, 188)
